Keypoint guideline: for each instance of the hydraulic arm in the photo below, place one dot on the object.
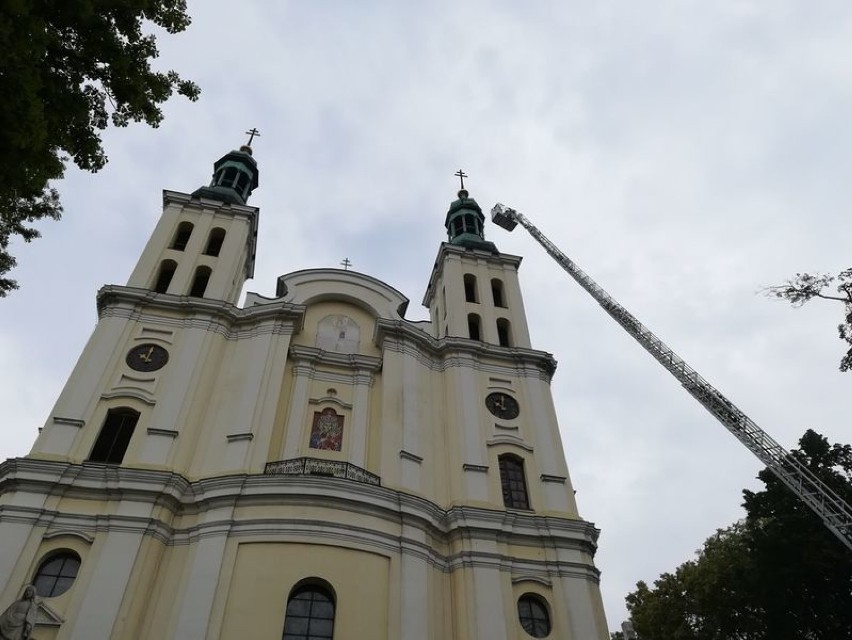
(831, 508)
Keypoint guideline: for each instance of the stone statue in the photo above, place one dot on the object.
(18, 620)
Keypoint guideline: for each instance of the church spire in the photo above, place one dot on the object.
(235, 175)
(465, 221)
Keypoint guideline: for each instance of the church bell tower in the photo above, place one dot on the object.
(309, 466)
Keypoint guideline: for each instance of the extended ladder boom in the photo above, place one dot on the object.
(833, 510)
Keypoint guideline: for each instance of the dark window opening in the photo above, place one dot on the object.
(242, 183)
(114, 437)
(56, 574)
(164, 278)
(513, 482)
(470, 288)
(310, 614)
(184, 230)
(199, 283)
(473, 327)
(504, 336)
(458, 227)
(533, 616)
(214, 242)
(497, 293)
(228, 177)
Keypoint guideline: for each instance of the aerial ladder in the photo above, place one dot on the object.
(834, 512)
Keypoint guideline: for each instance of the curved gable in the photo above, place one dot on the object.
(323, 285)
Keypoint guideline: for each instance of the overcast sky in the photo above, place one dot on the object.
(683, 153)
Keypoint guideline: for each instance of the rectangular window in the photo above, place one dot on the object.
(114, 437)
(513, 482)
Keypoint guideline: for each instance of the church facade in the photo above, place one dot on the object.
(306, 466)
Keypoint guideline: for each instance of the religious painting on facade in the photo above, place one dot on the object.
(338, 333)
(327, 430)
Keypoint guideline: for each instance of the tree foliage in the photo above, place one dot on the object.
(807, 286)
(777, 575)
(67, 71)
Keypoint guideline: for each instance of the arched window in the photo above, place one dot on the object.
(199, 283)
(114, 437)
(164, 277)
(504, 333)
(533, 615)
(310, 613)
(497, 292)
(470, 288)
(184, 230)
(513, 482)
(214, 242)
(473, 326)
(56, 573)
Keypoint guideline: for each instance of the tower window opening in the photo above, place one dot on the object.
(471, 224)
(473, 327)
(310, 614)
(470, 288)
(504, 333)
(181, 239)
(497, 292)
(114, 437)
(533, 615)
(199, 283)
(241, 183)
(458, 227)
(164, 278)
(513, 482)
(228, 177)
(214, 242)
(56, 573)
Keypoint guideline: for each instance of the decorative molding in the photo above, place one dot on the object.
(170, 433)
(506, 427)
(529, 578)
(505, 438)
(440, 354)
(71, 422)
(407, 455)
(330, 400)
(119, 392)
(217, 316)
(181, 501)
(166, 336)
(46, 616)
(58, 533)
(479, 468)
(237, 437)
(546, 477)
(358, 361)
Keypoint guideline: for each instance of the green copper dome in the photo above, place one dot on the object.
(235, 176)
(465, 222)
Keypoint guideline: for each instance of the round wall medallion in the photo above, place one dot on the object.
(502, 405)
(147, 357)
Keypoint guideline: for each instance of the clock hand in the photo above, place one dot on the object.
(146, 357)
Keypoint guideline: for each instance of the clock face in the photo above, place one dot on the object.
(502, 405)
(147, 357)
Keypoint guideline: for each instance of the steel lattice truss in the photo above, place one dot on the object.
(831, 508)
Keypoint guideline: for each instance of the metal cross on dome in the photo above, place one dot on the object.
(346, 262)
(462, 175)
(251, 133)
